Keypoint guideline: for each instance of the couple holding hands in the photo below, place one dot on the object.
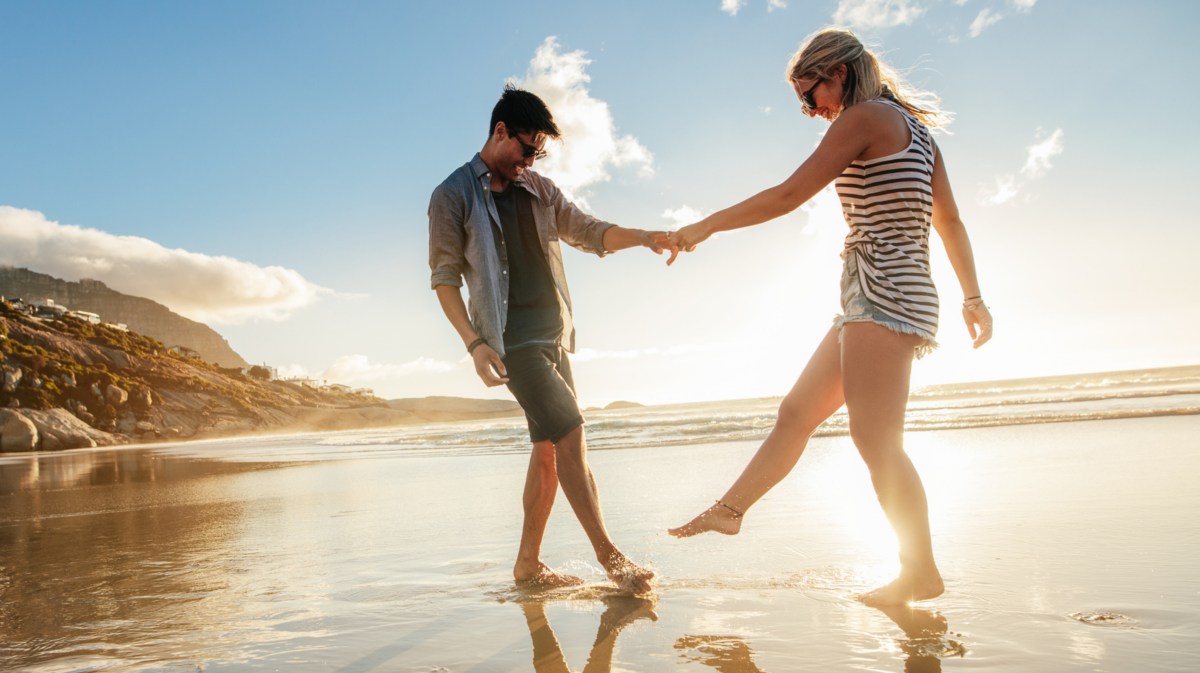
(497, 224)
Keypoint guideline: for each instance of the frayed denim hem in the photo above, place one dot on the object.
(927, 345)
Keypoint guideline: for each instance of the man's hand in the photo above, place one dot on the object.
(489, 366)
(657, 241)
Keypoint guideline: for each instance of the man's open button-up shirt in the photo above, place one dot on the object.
(465, 241)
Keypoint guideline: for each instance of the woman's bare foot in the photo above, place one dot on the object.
(906, 589)
(540, 575)
(628, 576)
(720, 518)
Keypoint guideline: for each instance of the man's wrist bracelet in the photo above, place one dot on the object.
(475, 344)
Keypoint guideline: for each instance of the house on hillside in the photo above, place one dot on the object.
(46, 309)
(184, 351)
(86, 316)
(306, 383)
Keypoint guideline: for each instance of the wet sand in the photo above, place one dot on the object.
(1066, 547)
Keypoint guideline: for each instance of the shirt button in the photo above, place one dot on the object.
(505, 272)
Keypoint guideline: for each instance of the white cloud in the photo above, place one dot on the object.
(202, 287)
(683, 216)
(1037, 163)
(985, 18)
(590, 144)
(731, 7)
(877, 13)
(773, 5)
(358, 370)
(1004, 190)
(1024, 5)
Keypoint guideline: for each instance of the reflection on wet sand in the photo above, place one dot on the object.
(923, 646)
(925, 641)
(727, 654)
(105, 552)
(621, 612)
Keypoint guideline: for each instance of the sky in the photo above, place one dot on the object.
(265, 167)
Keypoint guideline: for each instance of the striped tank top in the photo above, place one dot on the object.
(888, 203)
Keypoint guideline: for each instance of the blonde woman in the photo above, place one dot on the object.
(893, 185)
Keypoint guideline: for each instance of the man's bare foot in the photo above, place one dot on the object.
(540, 575)
(628, 576)
(906, 589)
(719, 518)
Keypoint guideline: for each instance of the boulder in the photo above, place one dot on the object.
(67, 380)
(9, 379)
(17, 433)
(126, 423)
(58, 428)
(115, 396)
(142, 399)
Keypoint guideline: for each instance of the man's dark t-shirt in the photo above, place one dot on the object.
(533, 311)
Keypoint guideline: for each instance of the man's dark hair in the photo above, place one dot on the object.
(522, 112)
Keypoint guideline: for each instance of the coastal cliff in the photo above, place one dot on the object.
(67, 383)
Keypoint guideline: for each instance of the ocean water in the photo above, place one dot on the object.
(1110, 395)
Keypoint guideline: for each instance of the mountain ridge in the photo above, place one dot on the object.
(140, 314)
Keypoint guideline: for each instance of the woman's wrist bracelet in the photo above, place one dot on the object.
(475, 344)
(972, 298)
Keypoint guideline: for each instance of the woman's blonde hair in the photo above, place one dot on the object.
(867, 77)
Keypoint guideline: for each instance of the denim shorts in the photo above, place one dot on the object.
(856, 307)
(539, 376)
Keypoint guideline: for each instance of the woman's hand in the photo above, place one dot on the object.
(978, 319)
(687, 238)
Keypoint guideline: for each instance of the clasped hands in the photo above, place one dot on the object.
(681, 240)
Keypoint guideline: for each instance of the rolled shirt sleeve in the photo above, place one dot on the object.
(447, 237)
(577, 228)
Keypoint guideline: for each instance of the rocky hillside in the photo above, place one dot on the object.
(138, 313)
(67, 383)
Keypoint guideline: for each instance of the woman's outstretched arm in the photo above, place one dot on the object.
(848, 138)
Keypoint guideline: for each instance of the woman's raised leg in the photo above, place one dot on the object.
(814, 398)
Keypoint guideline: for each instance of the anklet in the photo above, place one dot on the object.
(736, 513)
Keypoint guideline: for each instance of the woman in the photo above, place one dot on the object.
(893, 186)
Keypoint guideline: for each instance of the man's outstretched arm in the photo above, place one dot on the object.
(488, 364)
(619, 238)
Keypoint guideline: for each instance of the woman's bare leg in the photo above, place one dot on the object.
(876, 365)
(814, 398)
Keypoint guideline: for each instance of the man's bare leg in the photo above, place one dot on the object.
(541, 485)
(579, 486)
(547, 653)
(876, 367)
(816, 395)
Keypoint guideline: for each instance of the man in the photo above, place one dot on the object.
(498, 224)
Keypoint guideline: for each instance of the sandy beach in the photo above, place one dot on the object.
(1066, 547)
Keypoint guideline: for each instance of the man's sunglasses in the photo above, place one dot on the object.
(528, 150)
